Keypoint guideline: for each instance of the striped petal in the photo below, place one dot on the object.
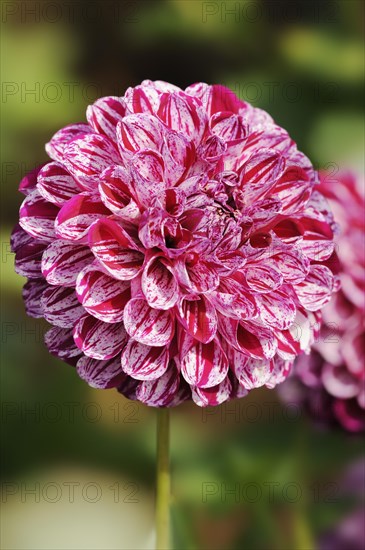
(178, 154)
(260, 173)
(62, 261)
(32, 293)
(28, 259)
(228, 126)
(277, 309)
(142, 99)
(77, 215)
(262, 278)
(251, 373)
(204, 365)
(291, 263)
(292, 189)
(159, 285)
(55, 148)
(233, 299)
(139, 132)
(60, 343)
(87, 157)
(101, 374)
(211, 397)
(144, 362)
(198, 317)
(216, 98)
(117, 192)
(56, 185)
(279, 373)
(102, 296)
(19, 238)
(249, 338)
(198, 276)
(115, 250)
(104, 115)
(160, 392)
(180, 113)
(37, 217)
(148, 176)
(149, 326)
(316, 290)
(61, 307)
(29, 182)
(99, 340)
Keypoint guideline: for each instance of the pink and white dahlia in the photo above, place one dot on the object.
(332, 378)
(178, 244)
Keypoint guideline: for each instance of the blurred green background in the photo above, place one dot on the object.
(78, 464)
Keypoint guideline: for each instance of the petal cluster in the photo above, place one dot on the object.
(331, 380)
(179, 245)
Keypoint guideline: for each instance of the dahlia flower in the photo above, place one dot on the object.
(331, 380)
(178, 244)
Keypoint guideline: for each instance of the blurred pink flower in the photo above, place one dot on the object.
(333, 376)
(178, 244)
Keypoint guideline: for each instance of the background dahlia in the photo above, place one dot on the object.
(330, 382)
(178, 244)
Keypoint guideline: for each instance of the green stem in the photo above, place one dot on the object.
(163, 481)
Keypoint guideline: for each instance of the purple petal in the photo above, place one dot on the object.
(101, 374)
(99, 340)
(144, 362)
(149, 326)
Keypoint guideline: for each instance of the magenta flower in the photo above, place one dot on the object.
(178, 245)
(332, 378)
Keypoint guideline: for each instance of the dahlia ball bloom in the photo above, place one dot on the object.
(178, 244)
(332, 379)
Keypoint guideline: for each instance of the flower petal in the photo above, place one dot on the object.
(115, 250)
(28, 259)
(139, 132)
(291, 263)
(99, 340)
(32, 293)
(316, 290)
(251, 373)
(198, 317)
(159, 285)
(77, 215)
(144, 362)
(204, 365)
(277, 308)
(101, 374)
(149, 326)
(87, 157)
(233, 299)
(29, 182)
(260, 173)
(118, 194)
(228, 126)
(180, 113)
(197, 276)
(160, 392)
(60, 342)
(178, 153)
(55, 148)
(62, 261)
(102, 296)
(104, 115)
(255, 341)
(211, 397)
(61, 307)
(37, 217)
(56, 185)
(262, 278)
